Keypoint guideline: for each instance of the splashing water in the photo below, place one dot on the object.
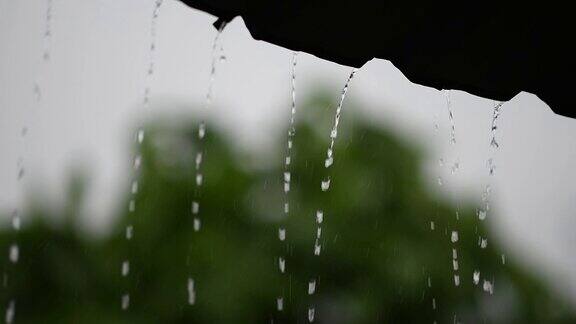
(217, 57)
(287, 175)
(139, 136)
(325, 184)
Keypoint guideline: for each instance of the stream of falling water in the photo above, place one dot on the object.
(14, 248)
(47, 45)
(487, 285)
(287, 173)
(137, 163)
(325, 187)
(454, 167)
(217, 56)
(454, 235)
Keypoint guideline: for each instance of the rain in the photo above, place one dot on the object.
(163, 163)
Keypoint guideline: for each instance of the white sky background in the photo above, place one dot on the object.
(92, 89)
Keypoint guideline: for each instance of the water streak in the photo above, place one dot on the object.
(217, 56)
(483, 212)
(454, 168)
(325, 184)
(14, 249)
(139, 138)
(47, 45)
(287, 174)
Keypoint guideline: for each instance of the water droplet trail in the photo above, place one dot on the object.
(139, 139)
(287, 175)
(482, 213)
(14, 248)
(325, 186)
(217, 57)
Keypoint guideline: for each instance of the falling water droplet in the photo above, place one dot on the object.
(10, 312)
(280, 304)
(334, 133)
(311, 314)
(129, 232)
(14, 253)
(455, 167)
(311, 287)
(125, 268)
(134, 187)
(196, 224)
(455, 264)
(137, 162)
(456, 280)
(476, 277)
(202, 130)
(325, 185)
(21, 173)
(454, 236)
(140, 136)
(125, 301)
(37, 92)
(15, 221)
(281, 264)
(483, 243)
(282, 234)
(328, 162)
(199, 179)
(487, 286)
(491, 166)
(195, 207)
(319, 216)
(131, 206)
(317, 248)
(191, 292)
(481, 214)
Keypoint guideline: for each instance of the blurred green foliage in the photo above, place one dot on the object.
(380, 262)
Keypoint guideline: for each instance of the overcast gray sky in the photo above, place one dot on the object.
(92, 87)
